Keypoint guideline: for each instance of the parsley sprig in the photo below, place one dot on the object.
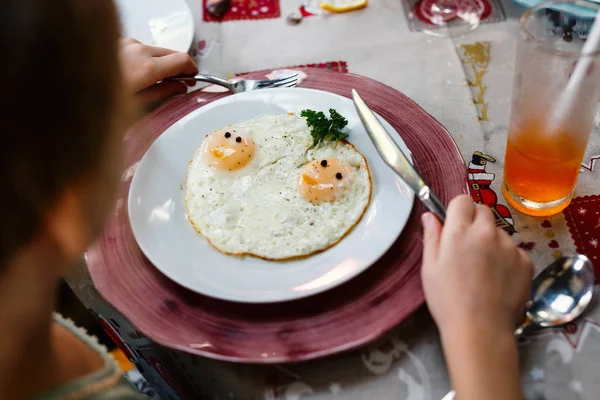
(323, 128)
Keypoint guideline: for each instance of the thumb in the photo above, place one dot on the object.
(432, 232)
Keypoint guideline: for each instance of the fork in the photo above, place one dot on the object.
(245, 85)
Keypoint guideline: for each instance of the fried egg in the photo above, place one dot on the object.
(259, 188)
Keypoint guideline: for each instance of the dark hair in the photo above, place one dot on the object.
(60, 78)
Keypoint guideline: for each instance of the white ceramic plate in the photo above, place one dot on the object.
(158, 214)
(163, 23)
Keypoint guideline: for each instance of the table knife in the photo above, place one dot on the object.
(393, 156)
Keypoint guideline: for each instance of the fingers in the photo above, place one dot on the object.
(143, 66)
(126, 41)
(484, 216)
(174, 64)
(149, 50)
(161, 91)
(432, 228)
(526, 261)
(461, 213)
(159, 51)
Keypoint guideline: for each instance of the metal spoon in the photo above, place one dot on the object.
(560, 293)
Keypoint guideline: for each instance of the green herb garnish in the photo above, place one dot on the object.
(323, 128)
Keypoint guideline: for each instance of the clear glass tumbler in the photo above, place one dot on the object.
(550, 122)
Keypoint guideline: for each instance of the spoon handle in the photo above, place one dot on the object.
(527, 322)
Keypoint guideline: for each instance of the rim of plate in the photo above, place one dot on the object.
(290, 296)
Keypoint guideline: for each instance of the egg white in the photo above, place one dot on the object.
(258, 211)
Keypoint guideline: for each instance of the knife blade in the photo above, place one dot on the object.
(395, 159)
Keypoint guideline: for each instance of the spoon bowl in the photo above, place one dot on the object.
(560, 293)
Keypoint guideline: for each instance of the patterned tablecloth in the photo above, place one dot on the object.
(466, 84)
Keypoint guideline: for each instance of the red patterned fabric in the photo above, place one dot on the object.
(590, 165)
(583, 218)
(247, 9)
(336, 66)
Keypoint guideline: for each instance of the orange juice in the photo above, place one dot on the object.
(541, 168)
(552, 113)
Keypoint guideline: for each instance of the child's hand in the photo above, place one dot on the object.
(143, 66)
(473, 273)
(476, 284)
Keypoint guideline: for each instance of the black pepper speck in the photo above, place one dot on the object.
(238, 139)
(338, 175)
(227, 135)
(324, 163)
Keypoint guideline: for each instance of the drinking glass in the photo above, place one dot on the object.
(543, 154)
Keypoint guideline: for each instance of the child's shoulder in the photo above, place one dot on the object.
(105, 383)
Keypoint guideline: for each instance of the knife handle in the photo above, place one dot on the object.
(434, 205)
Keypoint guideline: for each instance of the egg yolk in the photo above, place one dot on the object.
(324, 180)
(229, 150)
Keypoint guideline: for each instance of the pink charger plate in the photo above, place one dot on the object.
(340, 319)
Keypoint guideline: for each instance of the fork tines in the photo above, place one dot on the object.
(289, 81)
